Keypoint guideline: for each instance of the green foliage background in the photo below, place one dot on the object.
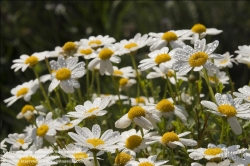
(29, 26)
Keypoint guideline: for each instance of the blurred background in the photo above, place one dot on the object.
(28, 27)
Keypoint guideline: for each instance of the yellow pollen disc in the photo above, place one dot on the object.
(27, 161)
(198, 59)
(198, 28)
(68, 124)
(92, 109)
(63, 74)
(162, 58)
(122, 158)
(139, 100)
(223, 61)
(42, 130)
(27, 108)
(80, 155)
(146, 164)
(213, 151)
(227, 109)
(136, 111)
(105, 53)
(32, 61)
(213, 79)
(130, 45)
(123, 82)
(21, 141)
(69, 46)
(133, 141)
(169, 137)
(165, 106)
(170, 74)
(169, 36)
(118, 72)
(95, 141)
(86, 51)
(22, 91)
(97, 42)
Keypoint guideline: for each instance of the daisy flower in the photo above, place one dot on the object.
(66, 73)
(230, 108)
(68, 49)
(158, 58)
(3, 146)
(226, 61)
(45, 129)
(89, 110)
(174, 38)
(126, 83)
(86, 52)
(25, 91)
(98, 41)
(128, 46)
(26, 61)
(45, 78)
(243, 54)
(125, 72)
(140, 101)
(28, 112)
(64, 123)
(139, 116)
(196, 58)
(151, 161)
(122, 159)
(106, 55)
(218, 76)
(244, 93)
(92, 140)
(18, 140)
(171, 139)
(245, 161)
(113, 98)
(222, 163)
(28, 129)
(32, 156)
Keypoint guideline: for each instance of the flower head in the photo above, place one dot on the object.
(86, 52)
(150, 161)
(226, 61)
(64, 123)
(18, 140)
(28, 112)
(243, 54)
(98, 41)
(244, 93)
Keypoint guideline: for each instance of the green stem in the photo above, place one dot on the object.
(80, 95)
(87, 79)
(208, 84)
(59, 100)
(230, 81)
(118, 93)
(222, 130)
(110, 158)
(172, 156)
(98, 84)
(171, 90)
(95, 158)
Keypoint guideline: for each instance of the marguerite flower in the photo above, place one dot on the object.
(113, 98)
(230, 108)
(18, 140)
(244, 93)
(245, 161)
(222, 163)
(92, 140)
(89, 109)
(122, 159)
(126, 83)
(98, 41)
(86, 52)
(106, 55)
(150, 161)
(64, 123)
(196, 58)
(125, 72)
(140, 101)
(226, 61)
(218, 76)
(243, 54)
(28, 112)
(25, 91)
(3, 146)
(66, 73)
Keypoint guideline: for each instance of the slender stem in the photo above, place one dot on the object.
(98, 84)
(95, 158)
(110, 158)
(92, 82)
(171, 90)
(172, 156)
(87, 79)
(222, 130)
(59, 100)
(118, 93)
(230, 81)
(208, 84)
(80, 95)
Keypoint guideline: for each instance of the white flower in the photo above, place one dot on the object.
(196, 58)
(140, 101)
(151, 160)
(97, 41)
(32, 156)
(45, 78)
(245, 161)
(230, 108)
(226, 61)
(113, 98)
(122, 159)
(64, 123)
(125, 72)
(244, 93)
(18, 140)
(28, 112)
(92, 140)
(186, 98)
(106, 55)
(22, 91)
(28, 129)
(243, 54)
(158, 58)
(128, 46)
(68, 49)
(218, 76)
(125, 83)
(222, 163)
(86, 52)
(174, 38)
(45, 129)
(66, 73)
(3, 146)
(171, 139)
(26, 61)
(89, 109)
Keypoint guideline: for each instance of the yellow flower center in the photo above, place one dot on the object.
(63, 74)
(42, 130)
(227, 109)
(130, 45)
(170, 74)
(162, 58)
(27, 108)
(21, 141)
(80, 155)
(133, 141)
(118, 72)
(69, 46)
(86, 51)
(68, 124)
(95, 141)
(136, 111)
(169, 36)
(122, 158)
(92, 109)
(165, 106)
(146, 164)
(27, 161)
(213, 79)
(139, 100)
(32, 61)
(169, 137)
(123, 82)
(198, 28)
(223, 61)
(22, 91)
(92, 42)
(105, 53)
(213, 151)
(198, 59)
